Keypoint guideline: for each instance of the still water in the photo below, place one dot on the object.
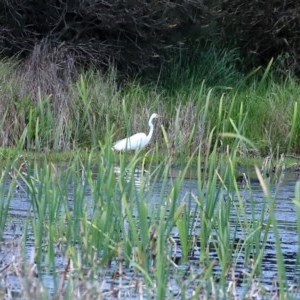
(285, 211)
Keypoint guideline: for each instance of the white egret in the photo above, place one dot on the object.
(137, 141)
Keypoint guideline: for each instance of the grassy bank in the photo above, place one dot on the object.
(45, 109)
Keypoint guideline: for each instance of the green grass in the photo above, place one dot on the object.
(92, 104)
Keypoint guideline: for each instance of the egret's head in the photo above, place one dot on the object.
(155, 116)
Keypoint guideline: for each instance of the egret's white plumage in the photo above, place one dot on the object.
(137, 141)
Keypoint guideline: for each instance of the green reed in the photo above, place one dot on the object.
(185, 222)
(40, 124)
(281, 271)
(7, 191)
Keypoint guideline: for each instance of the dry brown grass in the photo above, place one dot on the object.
(186, 130)
(44, 89)
(8, 94)
(46, 72)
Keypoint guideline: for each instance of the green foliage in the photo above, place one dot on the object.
(217, 68)
(8, 173)
(272, 115)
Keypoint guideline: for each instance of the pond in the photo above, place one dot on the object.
(254, 202)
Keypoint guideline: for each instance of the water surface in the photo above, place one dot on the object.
(253, 199)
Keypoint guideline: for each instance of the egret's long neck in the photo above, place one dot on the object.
(150, 131)
(149, 136)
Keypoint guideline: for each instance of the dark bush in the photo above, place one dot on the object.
(264, 29)
(135, 36)
(131, 34)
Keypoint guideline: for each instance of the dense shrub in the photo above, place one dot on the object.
(131, 34)
(264, 29)
(136, 36)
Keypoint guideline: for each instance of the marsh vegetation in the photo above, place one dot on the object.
(179, 219)
(43, 111)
